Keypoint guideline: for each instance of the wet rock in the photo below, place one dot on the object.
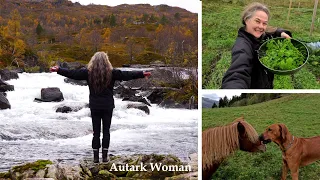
(76, 82)
(50, 94)
(124, 91)
(70, 107)
(52, 171)
(70, 65)
(40, 174)
(169, 103)
(4, 103)
(4, 88)
(141, 107)
(137, 99)
(6, 75)
(64, 109)
(69, 172)
(114, 169)
(30, 170)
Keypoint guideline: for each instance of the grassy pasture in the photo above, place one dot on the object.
(221, 21)
(300, 113)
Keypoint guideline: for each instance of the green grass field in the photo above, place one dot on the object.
(300, 113)
(220, 24)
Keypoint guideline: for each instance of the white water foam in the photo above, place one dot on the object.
(30, 130)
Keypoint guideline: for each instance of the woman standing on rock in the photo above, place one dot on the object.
(101, 77)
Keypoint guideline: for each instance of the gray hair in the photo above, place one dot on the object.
(251, 9)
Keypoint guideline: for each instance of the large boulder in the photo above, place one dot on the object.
(4, 103)
(158, 94)
(50, 94)
(6, 75)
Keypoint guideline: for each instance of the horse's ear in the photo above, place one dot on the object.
(283, 131)
(241, 128)
(240, 118)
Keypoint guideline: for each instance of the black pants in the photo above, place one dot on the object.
(97, 115)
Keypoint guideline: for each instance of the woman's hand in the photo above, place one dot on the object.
(54, 69)
(285, 35)
(146, 74)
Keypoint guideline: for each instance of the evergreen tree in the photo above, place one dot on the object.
(221, 103)
(113, 21)
(214, 105)
(152, 19)
(177, 16)
(39, 29)
(226, 101)
(163, 20)
(145, 17)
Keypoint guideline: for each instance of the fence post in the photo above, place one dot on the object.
(289, 12)
(313, 16)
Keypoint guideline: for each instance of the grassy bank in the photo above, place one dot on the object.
(300, 114)
(220, 24)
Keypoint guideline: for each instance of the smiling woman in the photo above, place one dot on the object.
(245, 71)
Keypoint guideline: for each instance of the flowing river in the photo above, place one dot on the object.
(30, 130)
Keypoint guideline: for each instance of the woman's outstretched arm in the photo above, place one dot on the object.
(129, 75)
(77, 74)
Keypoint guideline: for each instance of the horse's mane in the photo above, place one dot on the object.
(220, 142)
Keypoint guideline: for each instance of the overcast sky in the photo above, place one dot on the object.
(190, 5)
(216, 95)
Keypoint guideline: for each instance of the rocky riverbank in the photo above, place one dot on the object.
(137, 166)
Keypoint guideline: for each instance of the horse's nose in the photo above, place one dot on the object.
(261, 137)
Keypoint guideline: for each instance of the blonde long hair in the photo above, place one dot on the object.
(251, 9)
(100, 72)
(220, 142)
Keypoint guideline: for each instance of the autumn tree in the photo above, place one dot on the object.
(14, 24)
(106, 34)
(12, 35)
(95, 40)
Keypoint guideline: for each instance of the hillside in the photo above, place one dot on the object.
(219, 31)
(39, 32)
(300, 113)
(207, 102)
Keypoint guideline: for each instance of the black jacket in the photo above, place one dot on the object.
(245, 71)
(103, 100)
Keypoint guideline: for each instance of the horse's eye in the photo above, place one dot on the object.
(269, 129)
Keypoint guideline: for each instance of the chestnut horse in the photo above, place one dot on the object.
(220, 142)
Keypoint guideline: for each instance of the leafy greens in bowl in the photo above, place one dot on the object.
(283, 56)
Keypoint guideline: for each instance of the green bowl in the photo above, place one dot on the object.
(301, 47)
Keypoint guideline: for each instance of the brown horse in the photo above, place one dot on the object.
(220, 142)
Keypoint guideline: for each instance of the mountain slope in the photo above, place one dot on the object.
(207, 102)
